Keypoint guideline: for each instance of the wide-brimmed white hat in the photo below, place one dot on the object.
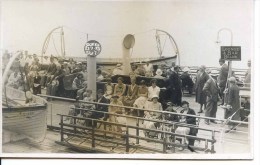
(159, 72)
(155, 96)
(186, 69)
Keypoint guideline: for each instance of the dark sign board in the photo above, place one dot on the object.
(232, 53)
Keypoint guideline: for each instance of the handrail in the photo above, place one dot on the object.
(164, 142)
(153, 120)
(163, 112)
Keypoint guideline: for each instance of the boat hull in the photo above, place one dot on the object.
(29, 121)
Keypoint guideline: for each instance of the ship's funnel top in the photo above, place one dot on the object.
(129, 41)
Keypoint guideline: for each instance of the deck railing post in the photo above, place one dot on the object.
(93, 134)
(51, 114)
(105, 128)
(61, 129)
(137, 130)
(173, 137)
(127, 140)
(164, 145)
(74, 121)
(212, 150)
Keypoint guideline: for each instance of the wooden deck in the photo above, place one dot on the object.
(231, 143)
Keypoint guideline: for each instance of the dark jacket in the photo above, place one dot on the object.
(211, 90)
(191, 120)
(199, 84)
(223, 74)
(102, 108)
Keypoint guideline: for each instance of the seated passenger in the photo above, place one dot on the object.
(35, 67)
(36, 83)
(120, 88)
(87, 96)
(115, 110)
(109, 89)
(148, 69)
(134, 73)
(131, 95)
(46, 78)
(159, 74)
(187, 120)
(171, 117)
(154, 105)
(187, 80)
(118, 70)
(78, 82)
(100, 77)
(102, 108)
(73, 111)
(153, 90)
(15, 80)
(142, 97)
(55, 81)
(66, 68)
(82, 90)
(78, 68)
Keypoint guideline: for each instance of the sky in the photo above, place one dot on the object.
(194, 25)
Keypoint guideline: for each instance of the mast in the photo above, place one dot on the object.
(172, 41)
(47, 40)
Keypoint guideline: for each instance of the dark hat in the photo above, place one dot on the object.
(120, 78)
(115, 96)
(184, 102)
(100, 91)
(153, 81)
(221, 60)
(142, 82)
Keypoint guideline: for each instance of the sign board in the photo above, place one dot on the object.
(92, 48)
(232, 53)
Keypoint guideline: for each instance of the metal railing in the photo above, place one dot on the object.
(137, 128)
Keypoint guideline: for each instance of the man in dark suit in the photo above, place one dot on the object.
(201, 79)
(222, 78)
(233, 103)
(174, 87)
(212, 91)
(101, 108)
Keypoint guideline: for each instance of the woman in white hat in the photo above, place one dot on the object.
(154, 105)
(118, 70)
(115, 110)
(158, 74)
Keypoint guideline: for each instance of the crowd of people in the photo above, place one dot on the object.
(49, 74)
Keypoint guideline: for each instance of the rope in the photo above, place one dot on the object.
(54, 45)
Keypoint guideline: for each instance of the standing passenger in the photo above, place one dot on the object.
(148, 69)
(174, 85)
(211, 90)
(201, 79)
(222, 78)
(233, 102)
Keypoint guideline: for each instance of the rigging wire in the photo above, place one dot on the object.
(55, 46)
